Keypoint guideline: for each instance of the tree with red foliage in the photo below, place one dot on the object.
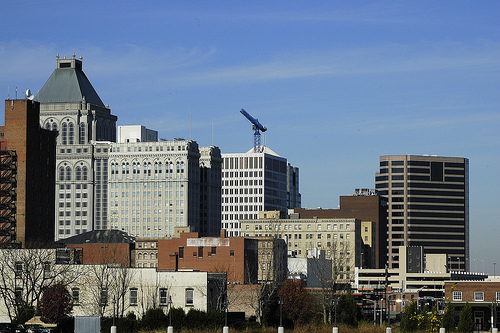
(298, 304)
(56, 303)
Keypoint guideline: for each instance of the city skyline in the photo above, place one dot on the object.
(337, 85)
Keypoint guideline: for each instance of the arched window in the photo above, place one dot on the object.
(68, 173)
(71, 135)
(82, 133)
(123, 170)
(85, 173)
(61, 173)
(47, 125)
(140, 255)
(54, 126)
(64, 134)
(78, 173)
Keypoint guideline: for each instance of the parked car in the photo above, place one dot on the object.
(33, 328)
(7, 328)
(20, 329)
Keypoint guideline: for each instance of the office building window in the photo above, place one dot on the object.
(478, 296)
(163, 297)
(75, 295)
(133, 296)
(189, 297)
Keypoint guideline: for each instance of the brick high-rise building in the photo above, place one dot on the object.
(27, 177)
(428, 205)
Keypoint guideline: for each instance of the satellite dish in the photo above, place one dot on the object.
(29, 95)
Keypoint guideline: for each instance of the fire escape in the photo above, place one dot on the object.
(8, 190)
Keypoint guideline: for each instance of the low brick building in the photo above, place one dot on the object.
(238, 257)
(483, 296)
(102, 247)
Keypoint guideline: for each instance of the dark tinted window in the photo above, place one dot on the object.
(437, 171)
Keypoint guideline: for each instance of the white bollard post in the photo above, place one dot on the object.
(335, 330)
(442, 330)
(388, 330)
(494, 330)
(281, 329)
(170, 329)
(225, 329)
(113, 329)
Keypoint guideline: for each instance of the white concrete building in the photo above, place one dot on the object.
(157, 186)
(253, 182)
(27, 272)
(136, 133)
(148, 289)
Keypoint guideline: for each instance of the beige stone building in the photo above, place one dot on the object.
(341, 239)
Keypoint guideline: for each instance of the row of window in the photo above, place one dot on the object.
(199, 253)
(81, 173)
(478, 296)
(232, 174)
(299, 227)
(157, 148)
(164, 297)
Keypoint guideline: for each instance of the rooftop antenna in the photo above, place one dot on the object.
(212, 125)
(16, 92)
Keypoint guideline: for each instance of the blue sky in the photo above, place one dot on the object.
(337, 83)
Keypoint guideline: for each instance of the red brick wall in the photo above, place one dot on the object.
(222, 261)
(35, 150)
(105, 253)
(468, 288)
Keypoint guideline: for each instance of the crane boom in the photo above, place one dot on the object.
(254, 121)
(257, 127)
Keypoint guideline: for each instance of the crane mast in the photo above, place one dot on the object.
(257, 128)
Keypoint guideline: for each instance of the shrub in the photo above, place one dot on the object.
(154, 319)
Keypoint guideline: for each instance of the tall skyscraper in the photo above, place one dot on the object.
(428, 205)
(70, 105)
(253, 182)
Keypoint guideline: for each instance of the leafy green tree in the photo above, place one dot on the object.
(349, 314)
(56, 303)
(409, 321)
(465, 321)
(449, 318)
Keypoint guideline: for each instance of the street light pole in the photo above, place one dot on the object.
(113, 328)
(281, 328)
(494, 272)
(170, 328)
(225, 329)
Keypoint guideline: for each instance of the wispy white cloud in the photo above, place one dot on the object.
(380, 59)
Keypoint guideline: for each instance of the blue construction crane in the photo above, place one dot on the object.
(257, 127)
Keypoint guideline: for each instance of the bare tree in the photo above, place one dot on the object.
(26, 273)
(330, 271)
(108, 278)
